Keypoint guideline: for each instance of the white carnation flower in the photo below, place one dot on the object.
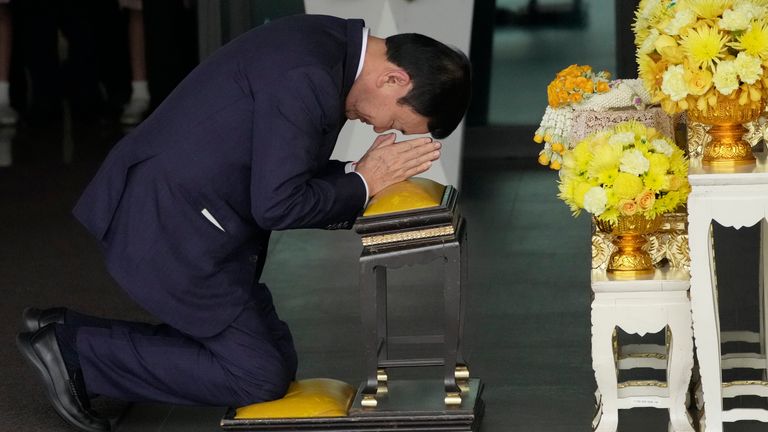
(735, 19)
(749, 68)
(595, 200)
(648, 45)
(622, 138)
(726, 78)
(662, 146)
(750, 8)
(633, 162)
(673, 83)
(682, 19)
(646, 8)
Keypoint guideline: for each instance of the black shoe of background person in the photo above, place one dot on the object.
(33, 319)
(67, 396)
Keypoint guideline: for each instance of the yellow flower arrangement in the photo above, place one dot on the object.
(622, 171)
(574, 84)
(691, 51)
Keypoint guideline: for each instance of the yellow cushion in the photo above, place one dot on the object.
(414, 193)
(317, 397)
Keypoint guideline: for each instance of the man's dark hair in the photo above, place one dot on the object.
(441, 79)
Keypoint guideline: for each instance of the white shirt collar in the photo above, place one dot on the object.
(366, 30)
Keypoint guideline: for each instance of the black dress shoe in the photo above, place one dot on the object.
(33, 319)
(68, 398)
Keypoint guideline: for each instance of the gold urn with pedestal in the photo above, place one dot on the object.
(630, 259)
(727, 148)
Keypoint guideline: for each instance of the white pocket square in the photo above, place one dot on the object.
(212, 219)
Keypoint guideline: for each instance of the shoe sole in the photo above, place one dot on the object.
(24, 344)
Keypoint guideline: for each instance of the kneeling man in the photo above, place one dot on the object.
(184, 205)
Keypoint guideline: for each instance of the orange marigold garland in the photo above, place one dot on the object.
(572, 86)
(578, 88)
(576, 83)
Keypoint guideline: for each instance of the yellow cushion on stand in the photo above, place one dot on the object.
(414, 193)
(317, 397)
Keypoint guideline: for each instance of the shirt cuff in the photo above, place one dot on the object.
(366, 188)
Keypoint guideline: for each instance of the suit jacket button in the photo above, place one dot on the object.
(253, 258)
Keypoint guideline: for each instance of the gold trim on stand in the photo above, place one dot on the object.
(408, 235)
(641, 383)
(657, 356)
(745, 383)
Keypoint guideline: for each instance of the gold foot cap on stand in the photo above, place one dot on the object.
(462, 373)
(382, 389)
(381, 375)
(369, 401)
(453, 399)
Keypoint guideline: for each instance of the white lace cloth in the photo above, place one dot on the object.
(587, 122)
(562, 128)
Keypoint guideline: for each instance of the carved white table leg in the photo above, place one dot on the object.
(763, 293)
(605, 369)
(706, 327)
(679, 366)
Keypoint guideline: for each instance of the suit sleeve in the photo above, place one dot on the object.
(292, 184)
(333, 167)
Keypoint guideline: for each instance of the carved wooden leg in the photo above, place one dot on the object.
(706, 325)
(604, 365)
(369, 311)
(451, 294)
(679, 365)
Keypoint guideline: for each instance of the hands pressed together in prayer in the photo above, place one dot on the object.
(388, 162)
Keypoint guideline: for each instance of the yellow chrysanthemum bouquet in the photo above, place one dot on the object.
(625, 170)
(691, 51)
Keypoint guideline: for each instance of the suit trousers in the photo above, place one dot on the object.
(252, 360)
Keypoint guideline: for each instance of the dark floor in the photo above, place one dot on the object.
(528, 314)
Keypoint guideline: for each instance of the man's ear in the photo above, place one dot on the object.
(394, 77)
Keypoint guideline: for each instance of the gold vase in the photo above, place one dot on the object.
(727, 148)
(630, 259)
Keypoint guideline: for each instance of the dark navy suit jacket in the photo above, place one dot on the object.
(247, 138)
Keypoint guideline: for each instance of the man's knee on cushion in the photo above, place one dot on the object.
(265, 389)
(259, 379)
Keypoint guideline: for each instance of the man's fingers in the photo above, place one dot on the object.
(384, 139)
(425, 158)
(422, 153)
(418, 143)
(385, 164)
(418, 165)
(418, 169)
